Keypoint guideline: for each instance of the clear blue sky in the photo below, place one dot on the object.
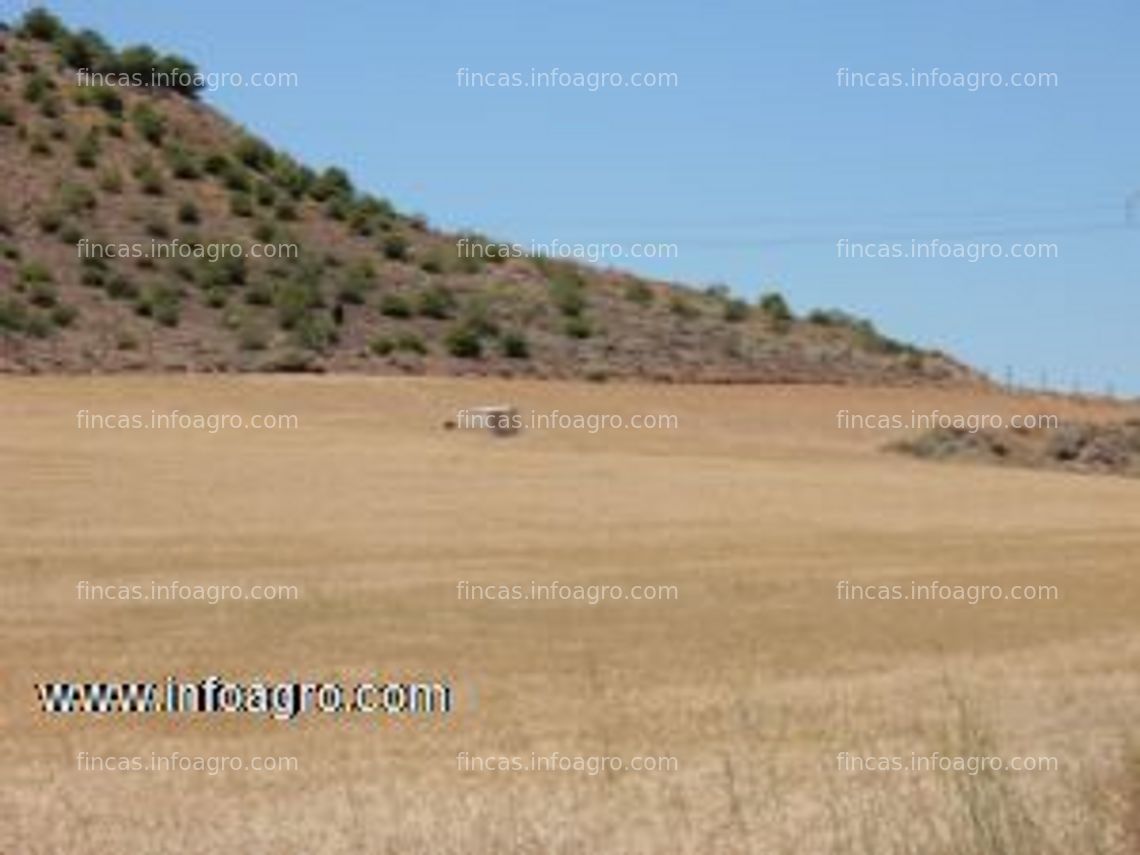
(755, 164)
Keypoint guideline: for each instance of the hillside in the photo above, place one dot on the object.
(357, 285)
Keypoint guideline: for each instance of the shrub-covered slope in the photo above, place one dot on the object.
(122, 205)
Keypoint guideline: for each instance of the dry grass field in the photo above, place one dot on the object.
(754, 678)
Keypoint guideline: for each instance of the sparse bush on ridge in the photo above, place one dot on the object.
(160, 302)
(638, 292)
(680, 306)
(285, 211)
(577, 327)
(255, 153)
(182, 164)
(433, 262)
(333, 182)
(13, 315)
(436, 302)
(241, 205)
(314, 331)
(735, 310)
(395, 247)
(567, 289)
(42, 25)
(149, 178)
(514, 345)
(108, 100)
(149, 122)
(87, 151)
(773, 305)
(76, 198)
(37, 87)
(395, 306)
(49, 221)
(264, 193)
(463, 342)
(188, 213)
(410, 342)
(111, 181)
(381, 345)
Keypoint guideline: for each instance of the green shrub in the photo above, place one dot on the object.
(156, 226)
(567, 289)
(63, 315)
(41, 25)
(265, 193)
(338, 208)
(735, 310)
(161, 303)
(477, 316)
(775, 307)
(252, 335)
(121, 287)
(39, 146)
(381, 345)
(264, 231)
(433, 262)
(7, 116)
(395, 247)
(37, 88)
(10, 252)
(410, 342)
(395, 306)
(109, 101)
(126, 340)
(52, 108)
(255, 153)
(188, 213)
(149, 178)
(436, 302)
(150, 124)
(87, 151)
(640, 293)
(182, 164)
(216, 298)
(77, 199)
(111, 181)
(92, 278)
(42, 294)
(38, 325)
(293, 300)
(13, 315)
(70, 235)
(291, 176)
(578, 327)
(84, 49)
(351, 290)
(34, 272)
(463, 342)
(259, 293)
(236, 178)
(286, 211)
(333, 182)
(216, 164)
(514, 345)
(49, 221)
(314, 331)
(241, 205)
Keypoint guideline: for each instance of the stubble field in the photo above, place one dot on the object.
(744, 685)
